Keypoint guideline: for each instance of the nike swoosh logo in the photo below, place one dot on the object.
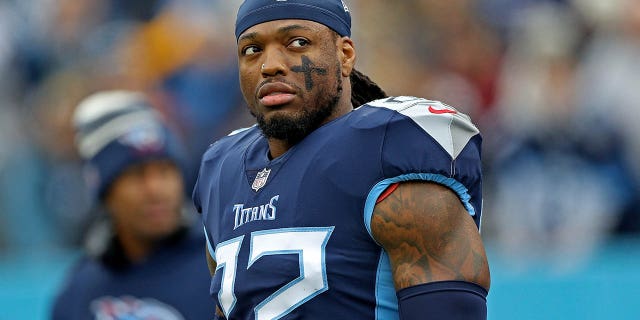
(441, 111)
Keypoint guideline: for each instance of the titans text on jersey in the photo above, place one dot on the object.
(263, 212)
(318, 258)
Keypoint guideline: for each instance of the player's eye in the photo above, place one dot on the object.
(249, 50)
(299, 42)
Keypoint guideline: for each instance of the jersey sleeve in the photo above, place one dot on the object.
(214, 153)
(431, 141)
(202, 182)
(197, 202)
(195, 196)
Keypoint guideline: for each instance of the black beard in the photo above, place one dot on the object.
(293, 129)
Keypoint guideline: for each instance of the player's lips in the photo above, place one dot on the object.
(157, 210)
(276, 93)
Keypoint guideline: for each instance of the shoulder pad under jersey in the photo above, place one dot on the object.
(449, 127)
(431, 141)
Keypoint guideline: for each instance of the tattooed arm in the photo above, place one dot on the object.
(429, 237)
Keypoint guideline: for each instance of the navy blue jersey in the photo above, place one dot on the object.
(291, 236)
(172, 284)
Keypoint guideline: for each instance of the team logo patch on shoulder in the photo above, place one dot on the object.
(261, 179)
(449, 127)
(440, 110)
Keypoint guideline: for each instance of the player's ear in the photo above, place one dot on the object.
(346, 55)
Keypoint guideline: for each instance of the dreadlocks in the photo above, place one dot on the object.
(363, 89)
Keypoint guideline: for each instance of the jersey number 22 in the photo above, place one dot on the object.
(308, 243)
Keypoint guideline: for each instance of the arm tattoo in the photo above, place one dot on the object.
(308, 68)
(429, 236)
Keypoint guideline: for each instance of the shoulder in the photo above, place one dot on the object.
(231, 142)
(229, 149)
(451, 128)
(427, 140)
(416, 125)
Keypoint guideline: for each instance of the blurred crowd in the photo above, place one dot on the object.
(552, 84)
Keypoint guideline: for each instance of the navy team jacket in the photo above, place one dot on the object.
(172, 284)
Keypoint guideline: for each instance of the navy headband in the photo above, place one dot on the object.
(331, 13)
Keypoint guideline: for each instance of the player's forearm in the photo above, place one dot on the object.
(443, 300)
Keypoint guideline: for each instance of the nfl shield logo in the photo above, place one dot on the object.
(261, 179)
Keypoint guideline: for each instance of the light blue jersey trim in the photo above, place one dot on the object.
(381, 186)
(209, 247)
(234, 132)
(386, 300)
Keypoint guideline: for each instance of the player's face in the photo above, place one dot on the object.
(290, 76)
(145, 200)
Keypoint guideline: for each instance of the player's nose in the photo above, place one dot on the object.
(273, 63)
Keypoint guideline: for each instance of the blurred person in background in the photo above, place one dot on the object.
(196, 82)
(560, 179)
(57, 52)
(454, 60)
(150, 262)
(63, 204)
(607, 83)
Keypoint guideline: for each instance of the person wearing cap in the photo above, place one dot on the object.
(152, 265)
(341, 203)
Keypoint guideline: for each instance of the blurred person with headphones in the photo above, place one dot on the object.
(152, 266)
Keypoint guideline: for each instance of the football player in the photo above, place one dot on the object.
(341, 203)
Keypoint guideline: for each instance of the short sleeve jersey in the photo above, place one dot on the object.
(291, 236)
